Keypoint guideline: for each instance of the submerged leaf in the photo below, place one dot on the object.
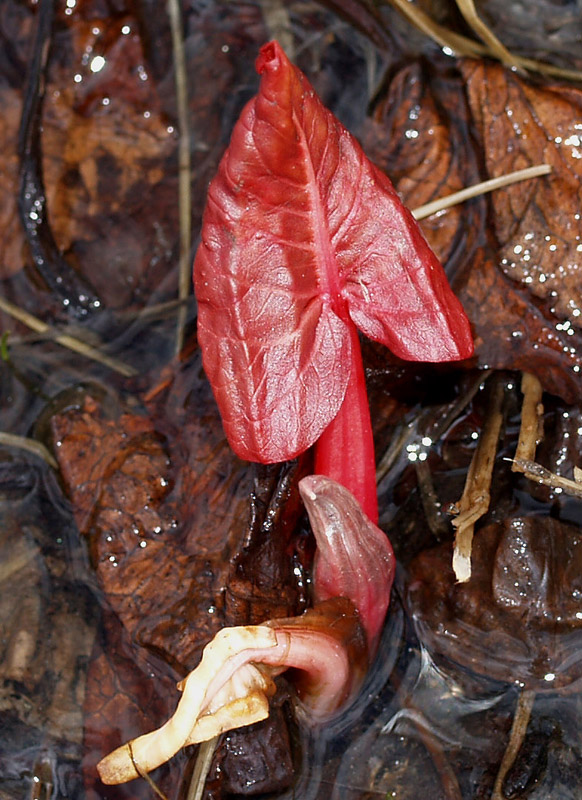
(302, 236)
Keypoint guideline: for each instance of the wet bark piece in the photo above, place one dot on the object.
(516, 619)
(425, 139)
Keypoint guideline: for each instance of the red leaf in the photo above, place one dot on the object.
(301, 233)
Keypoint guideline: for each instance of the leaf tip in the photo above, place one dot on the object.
(270, 57)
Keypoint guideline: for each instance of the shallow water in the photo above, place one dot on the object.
(147, 493)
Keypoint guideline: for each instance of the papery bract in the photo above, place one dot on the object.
(302, 237)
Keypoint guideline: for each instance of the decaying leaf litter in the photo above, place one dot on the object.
(419, 119)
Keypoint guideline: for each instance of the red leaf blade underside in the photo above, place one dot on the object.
(301, 233)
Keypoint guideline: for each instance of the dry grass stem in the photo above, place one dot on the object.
(476, 497)
(30, 445)
(496, 48)
(401, 437)
(184, 169)
(165, 310)
(516, 737)
(152, 784)
(65, 340)
(480, 188)
(531, 430)
(463, 46)
(202, 768)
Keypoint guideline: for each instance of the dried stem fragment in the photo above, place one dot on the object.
(441, 35)
(474, 502)
(530, 434)
(496, 48)
(278, 24)
(430, 502)
(518, 730)
(530, 431)
(477, 189)
(535, 472)
(202, 768)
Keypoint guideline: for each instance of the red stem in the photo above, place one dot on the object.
(345, 450)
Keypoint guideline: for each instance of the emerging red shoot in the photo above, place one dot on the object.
(354, 558)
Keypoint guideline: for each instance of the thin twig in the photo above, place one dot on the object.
(538, 474)
(152, 784)
(406, 434)
(163, 310)
(480, 188)
(461, 45)
(65, 340)
(202, 768)
(437, 523)
(184, 167)
(278, 24)
(456, 408)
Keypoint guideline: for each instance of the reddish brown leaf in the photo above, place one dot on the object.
(538, 225)
(526, 316)
(141, 505)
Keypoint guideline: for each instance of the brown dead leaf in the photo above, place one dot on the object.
(164, 504)
(538, 225)
(158, 523)
(518, 287)
(108, 156)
